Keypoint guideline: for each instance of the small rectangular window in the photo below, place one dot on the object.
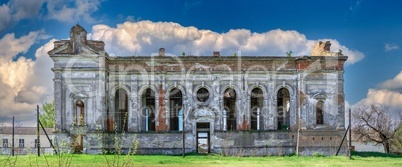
(319, 113)
(36, 143)
(5, 143)
(21, 143)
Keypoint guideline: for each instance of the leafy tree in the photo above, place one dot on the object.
(289, 54)
(376, 124)
(46, 115)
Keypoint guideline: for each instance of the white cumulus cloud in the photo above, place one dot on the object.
(16, 10)
(72, 11)
(61, 10)
(5, 16)
(22, 9)
(393, 84)
(383, 96)
(24, 82)
(11, 46)
(388, 93)
(145, 37)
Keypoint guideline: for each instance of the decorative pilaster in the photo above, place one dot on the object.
(59, 122)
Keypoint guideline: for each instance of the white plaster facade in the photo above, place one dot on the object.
(25, 140)
(84, 73)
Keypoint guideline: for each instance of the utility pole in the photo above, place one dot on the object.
(184, 138)
(12, 141)
(37, 132)
(350, 133)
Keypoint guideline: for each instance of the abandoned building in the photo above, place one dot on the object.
(234, 105)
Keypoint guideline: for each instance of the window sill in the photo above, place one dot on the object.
(321, 126)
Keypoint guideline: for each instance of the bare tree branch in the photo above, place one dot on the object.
(375, 124)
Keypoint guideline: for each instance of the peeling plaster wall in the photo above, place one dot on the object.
(90, 75)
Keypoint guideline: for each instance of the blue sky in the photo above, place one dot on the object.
(369, 30)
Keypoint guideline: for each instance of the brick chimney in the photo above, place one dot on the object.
(216, 53)
(161, 52)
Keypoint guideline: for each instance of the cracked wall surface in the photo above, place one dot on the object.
(84, 71)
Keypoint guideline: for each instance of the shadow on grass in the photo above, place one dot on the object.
(375, 154)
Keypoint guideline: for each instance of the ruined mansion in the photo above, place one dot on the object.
(248, 105)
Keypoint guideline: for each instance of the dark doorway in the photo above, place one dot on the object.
(283, 109)
(229, 102)
(78, 143)
(176, 111)
(319, 113)
(203, 138)
(148, 111)
(256, 105)
(121, 110)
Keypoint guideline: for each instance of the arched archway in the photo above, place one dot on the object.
(79, 113)
(319, 112)
(283, 109)
(121, 110)
(256, 105)
(176, 109)
(148, 110)
(229, 102)
(79, 121)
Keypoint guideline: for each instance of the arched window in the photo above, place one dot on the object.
(256, 105)
(176, 110)
(319, 112)
(79, 120)
(148, 105)
(121, 110)
(283, 109)
(79, 113)
(229, 102)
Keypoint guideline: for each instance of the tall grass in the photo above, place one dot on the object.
(118, 157)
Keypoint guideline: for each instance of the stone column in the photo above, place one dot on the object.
(302, 102)
(271, 113)
(265, 114)
(189, 104)
(222, 115)
(341, 103)
(293, 110)
(215, 94)
(100, 106)
(111, 113)
(134, 123)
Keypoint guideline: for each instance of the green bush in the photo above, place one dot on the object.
(317, 154)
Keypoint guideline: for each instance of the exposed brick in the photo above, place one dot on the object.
(243, 125)
(162, 126)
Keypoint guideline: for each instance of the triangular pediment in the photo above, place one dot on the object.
(59, 48)
(67, 48)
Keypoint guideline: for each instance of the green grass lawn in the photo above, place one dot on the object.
(358, 159)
